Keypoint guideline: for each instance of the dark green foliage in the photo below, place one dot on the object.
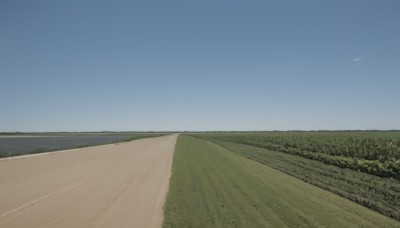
(3, 154)
(376, 153)
(379, 194)
(40, 150)
(211, 186)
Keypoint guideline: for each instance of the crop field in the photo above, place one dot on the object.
(212, 186)
(381, 194)
(18, 144)
(376, 153)
(218, 179)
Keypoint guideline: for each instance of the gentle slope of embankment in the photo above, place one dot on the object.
(213, 187)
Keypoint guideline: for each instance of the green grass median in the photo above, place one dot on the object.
(213, 187)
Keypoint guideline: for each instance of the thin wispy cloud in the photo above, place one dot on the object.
(358, 59)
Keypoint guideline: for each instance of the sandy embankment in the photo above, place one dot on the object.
(118, 185)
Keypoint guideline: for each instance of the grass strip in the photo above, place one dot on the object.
(376, 153)
(212, 187)
(379, 194)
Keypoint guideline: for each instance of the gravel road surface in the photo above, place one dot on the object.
(117, 185)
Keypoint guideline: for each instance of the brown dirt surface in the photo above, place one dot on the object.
(116, 185)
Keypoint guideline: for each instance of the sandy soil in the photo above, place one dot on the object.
(118, 185)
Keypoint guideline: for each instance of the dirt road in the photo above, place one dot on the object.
(118, 185)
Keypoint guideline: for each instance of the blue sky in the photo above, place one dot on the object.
(199, 65)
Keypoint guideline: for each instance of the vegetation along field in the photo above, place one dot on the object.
(18, 144)
(376, 153)
(280, 150)
(212, 186)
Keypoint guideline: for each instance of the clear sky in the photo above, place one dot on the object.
(199, 65)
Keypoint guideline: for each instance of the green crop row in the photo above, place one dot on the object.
(212, 187)
(379, 194)
(376, 153)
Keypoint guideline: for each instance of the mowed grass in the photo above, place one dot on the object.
(213, 187)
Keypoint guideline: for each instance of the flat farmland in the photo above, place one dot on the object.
(372, 152)
(17, 144)
(218, 180)
(212, 186)
(362, 166)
